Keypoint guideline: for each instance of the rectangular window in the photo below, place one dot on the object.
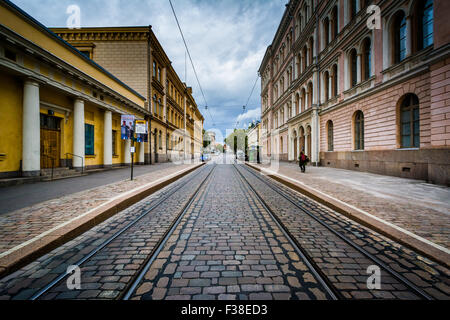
(114, 143)
(10, 55)
(89, 139)
(154, 69)
(159, 74)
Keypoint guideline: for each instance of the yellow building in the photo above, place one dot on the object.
(136, 57)
(57, 105)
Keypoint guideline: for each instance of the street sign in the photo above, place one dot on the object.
(133, 149)
(141, 127)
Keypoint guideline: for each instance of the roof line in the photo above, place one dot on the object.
(70, 47)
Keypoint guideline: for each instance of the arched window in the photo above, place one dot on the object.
(305, 58)
(155, 107)
(334, 81)
(353, 8)
(303, 100)
(311, 50)
(353, 68)
(326, 86)
(300, 23)
(399, 37)
(326, 33)
(281, 144)
(297, 104)
(310, 95)
(425, 24)
(334, 23)
(359, 130)
(160, 140)
(409, 122)
(367, 59)
(330, 135)
(299, 65)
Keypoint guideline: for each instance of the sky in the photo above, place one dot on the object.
(227, 40)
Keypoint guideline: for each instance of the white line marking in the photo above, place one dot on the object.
(124, 194)
(363, 212)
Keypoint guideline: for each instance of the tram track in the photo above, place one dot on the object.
(131, 288)
(401, 279)
(312, 266)
(47, 288)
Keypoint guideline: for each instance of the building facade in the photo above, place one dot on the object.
(136, 57)
(358, 90)
(254, 135)
(58, 107)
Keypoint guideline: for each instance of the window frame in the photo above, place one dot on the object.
(359, 131)
(413, 106)
(89, 128)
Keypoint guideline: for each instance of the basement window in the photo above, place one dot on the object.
(356, 165)
(10, 55)
(406, 169)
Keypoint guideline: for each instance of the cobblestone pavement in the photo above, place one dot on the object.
(344, 266)
(24, 224)
(106, 274)
(227, 246)
(419, 207)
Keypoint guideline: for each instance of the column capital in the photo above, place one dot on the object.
(32, 81)
(79, 99)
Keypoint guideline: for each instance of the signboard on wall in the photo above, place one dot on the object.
(127, 126)
(141, 127)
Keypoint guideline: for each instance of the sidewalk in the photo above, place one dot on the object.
(31, 230)
(413, 209)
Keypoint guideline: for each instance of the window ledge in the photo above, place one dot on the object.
(115, 156)
(90, 156)
(408, 149)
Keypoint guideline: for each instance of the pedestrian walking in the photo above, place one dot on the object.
(303, 160)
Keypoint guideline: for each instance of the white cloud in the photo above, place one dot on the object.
(249, 116)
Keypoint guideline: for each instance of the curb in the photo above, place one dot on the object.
(408, 241)
(56, 238)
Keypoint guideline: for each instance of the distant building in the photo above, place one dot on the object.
(58, 107)
(135, 56)
(254, 135)
(210, 136)
(356, 97)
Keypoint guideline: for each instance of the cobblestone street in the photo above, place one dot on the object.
(226, 232)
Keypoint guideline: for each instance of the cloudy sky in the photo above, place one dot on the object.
(227, 40)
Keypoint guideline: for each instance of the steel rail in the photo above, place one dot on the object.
(418, 291)
(128, 291)
(53, 283)
(318, 274)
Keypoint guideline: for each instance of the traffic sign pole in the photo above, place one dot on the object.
(132, 149)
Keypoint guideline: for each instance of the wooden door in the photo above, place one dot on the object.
(50, 148)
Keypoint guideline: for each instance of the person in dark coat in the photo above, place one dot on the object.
(303, 159)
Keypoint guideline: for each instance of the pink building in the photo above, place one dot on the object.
(357, 95)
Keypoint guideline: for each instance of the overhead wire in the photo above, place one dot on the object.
(190, 58)
(249, 97)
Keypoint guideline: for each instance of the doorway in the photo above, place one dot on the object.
(50, 141)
